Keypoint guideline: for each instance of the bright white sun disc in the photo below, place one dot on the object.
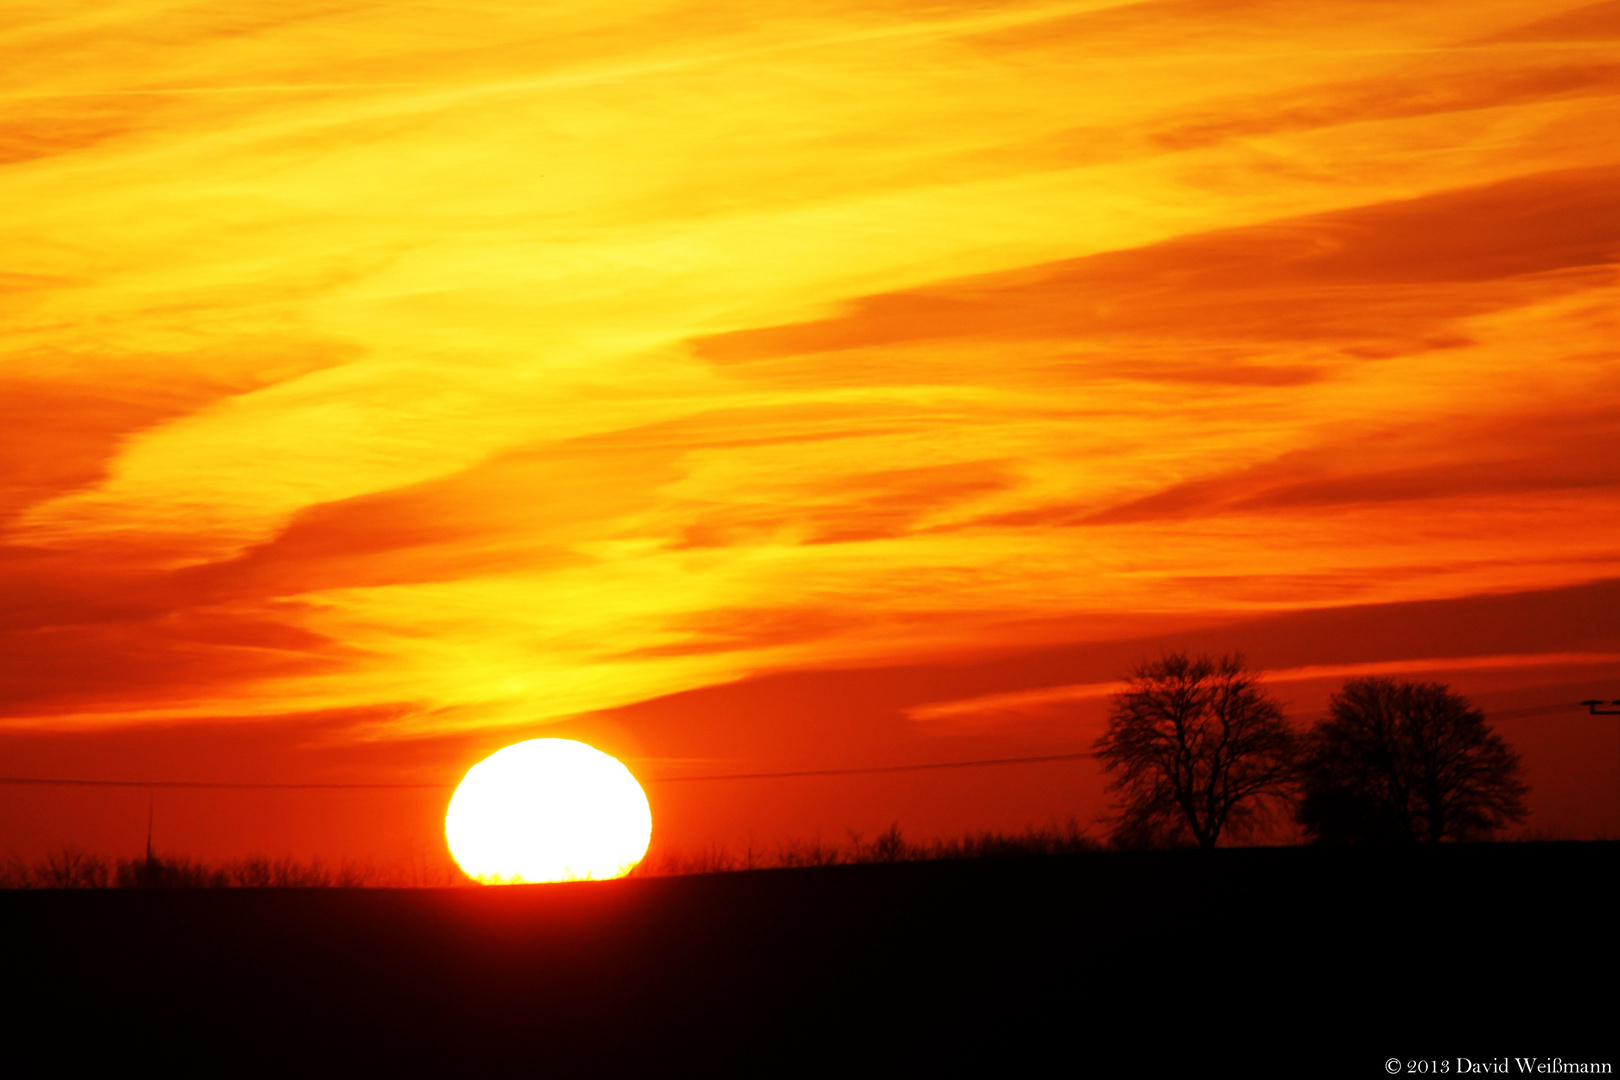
(548, 810)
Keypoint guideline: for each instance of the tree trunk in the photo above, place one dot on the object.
(1437, 810)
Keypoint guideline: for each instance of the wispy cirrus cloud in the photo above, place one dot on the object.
(486, 368)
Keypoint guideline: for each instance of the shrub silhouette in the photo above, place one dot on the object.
(155, 873)
(890, 845)
(66, 867)
(73, 868)
(1199, 751)
(1066, 839)
(808, 853)
(1401, 761)
(887, 846)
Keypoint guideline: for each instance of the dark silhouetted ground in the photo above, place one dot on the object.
(1288, 961)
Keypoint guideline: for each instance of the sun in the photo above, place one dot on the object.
(548, 810)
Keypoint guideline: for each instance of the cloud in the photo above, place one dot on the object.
(1583, 24)
(494, 368)
(1573, 450)
(1399, 269)
(1000, 705)
(49, 132)
(1446, 87)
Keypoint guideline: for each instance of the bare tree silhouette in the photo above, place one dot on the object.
(1200, 751)
(72, 867)
(1402, 761)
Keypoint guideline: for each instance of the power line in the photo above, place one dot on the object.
(53, 782)
(879, 768)
(61, 782)
(1507, 714)
(1533, 710)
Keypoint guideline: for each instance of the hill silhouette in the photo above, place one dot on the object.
(1230, 955)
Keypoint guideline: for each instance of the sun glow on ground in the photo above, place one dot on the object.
(548, 810)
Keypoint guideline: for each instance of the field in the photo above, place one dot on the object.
(1238, 959)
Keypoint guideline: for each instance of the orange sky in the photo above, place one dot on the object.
(744, 386)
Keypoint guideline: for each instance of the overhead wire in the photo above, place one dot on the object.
(1507, 714)
(920, 766)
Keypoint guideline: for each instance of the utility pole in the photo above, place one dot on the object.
(1592, 707)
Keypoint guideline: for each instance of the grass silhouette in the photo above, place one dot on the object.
(890, 845)
(72, 867)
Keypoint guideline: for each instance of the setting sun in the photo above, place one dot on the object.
(548, 810)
